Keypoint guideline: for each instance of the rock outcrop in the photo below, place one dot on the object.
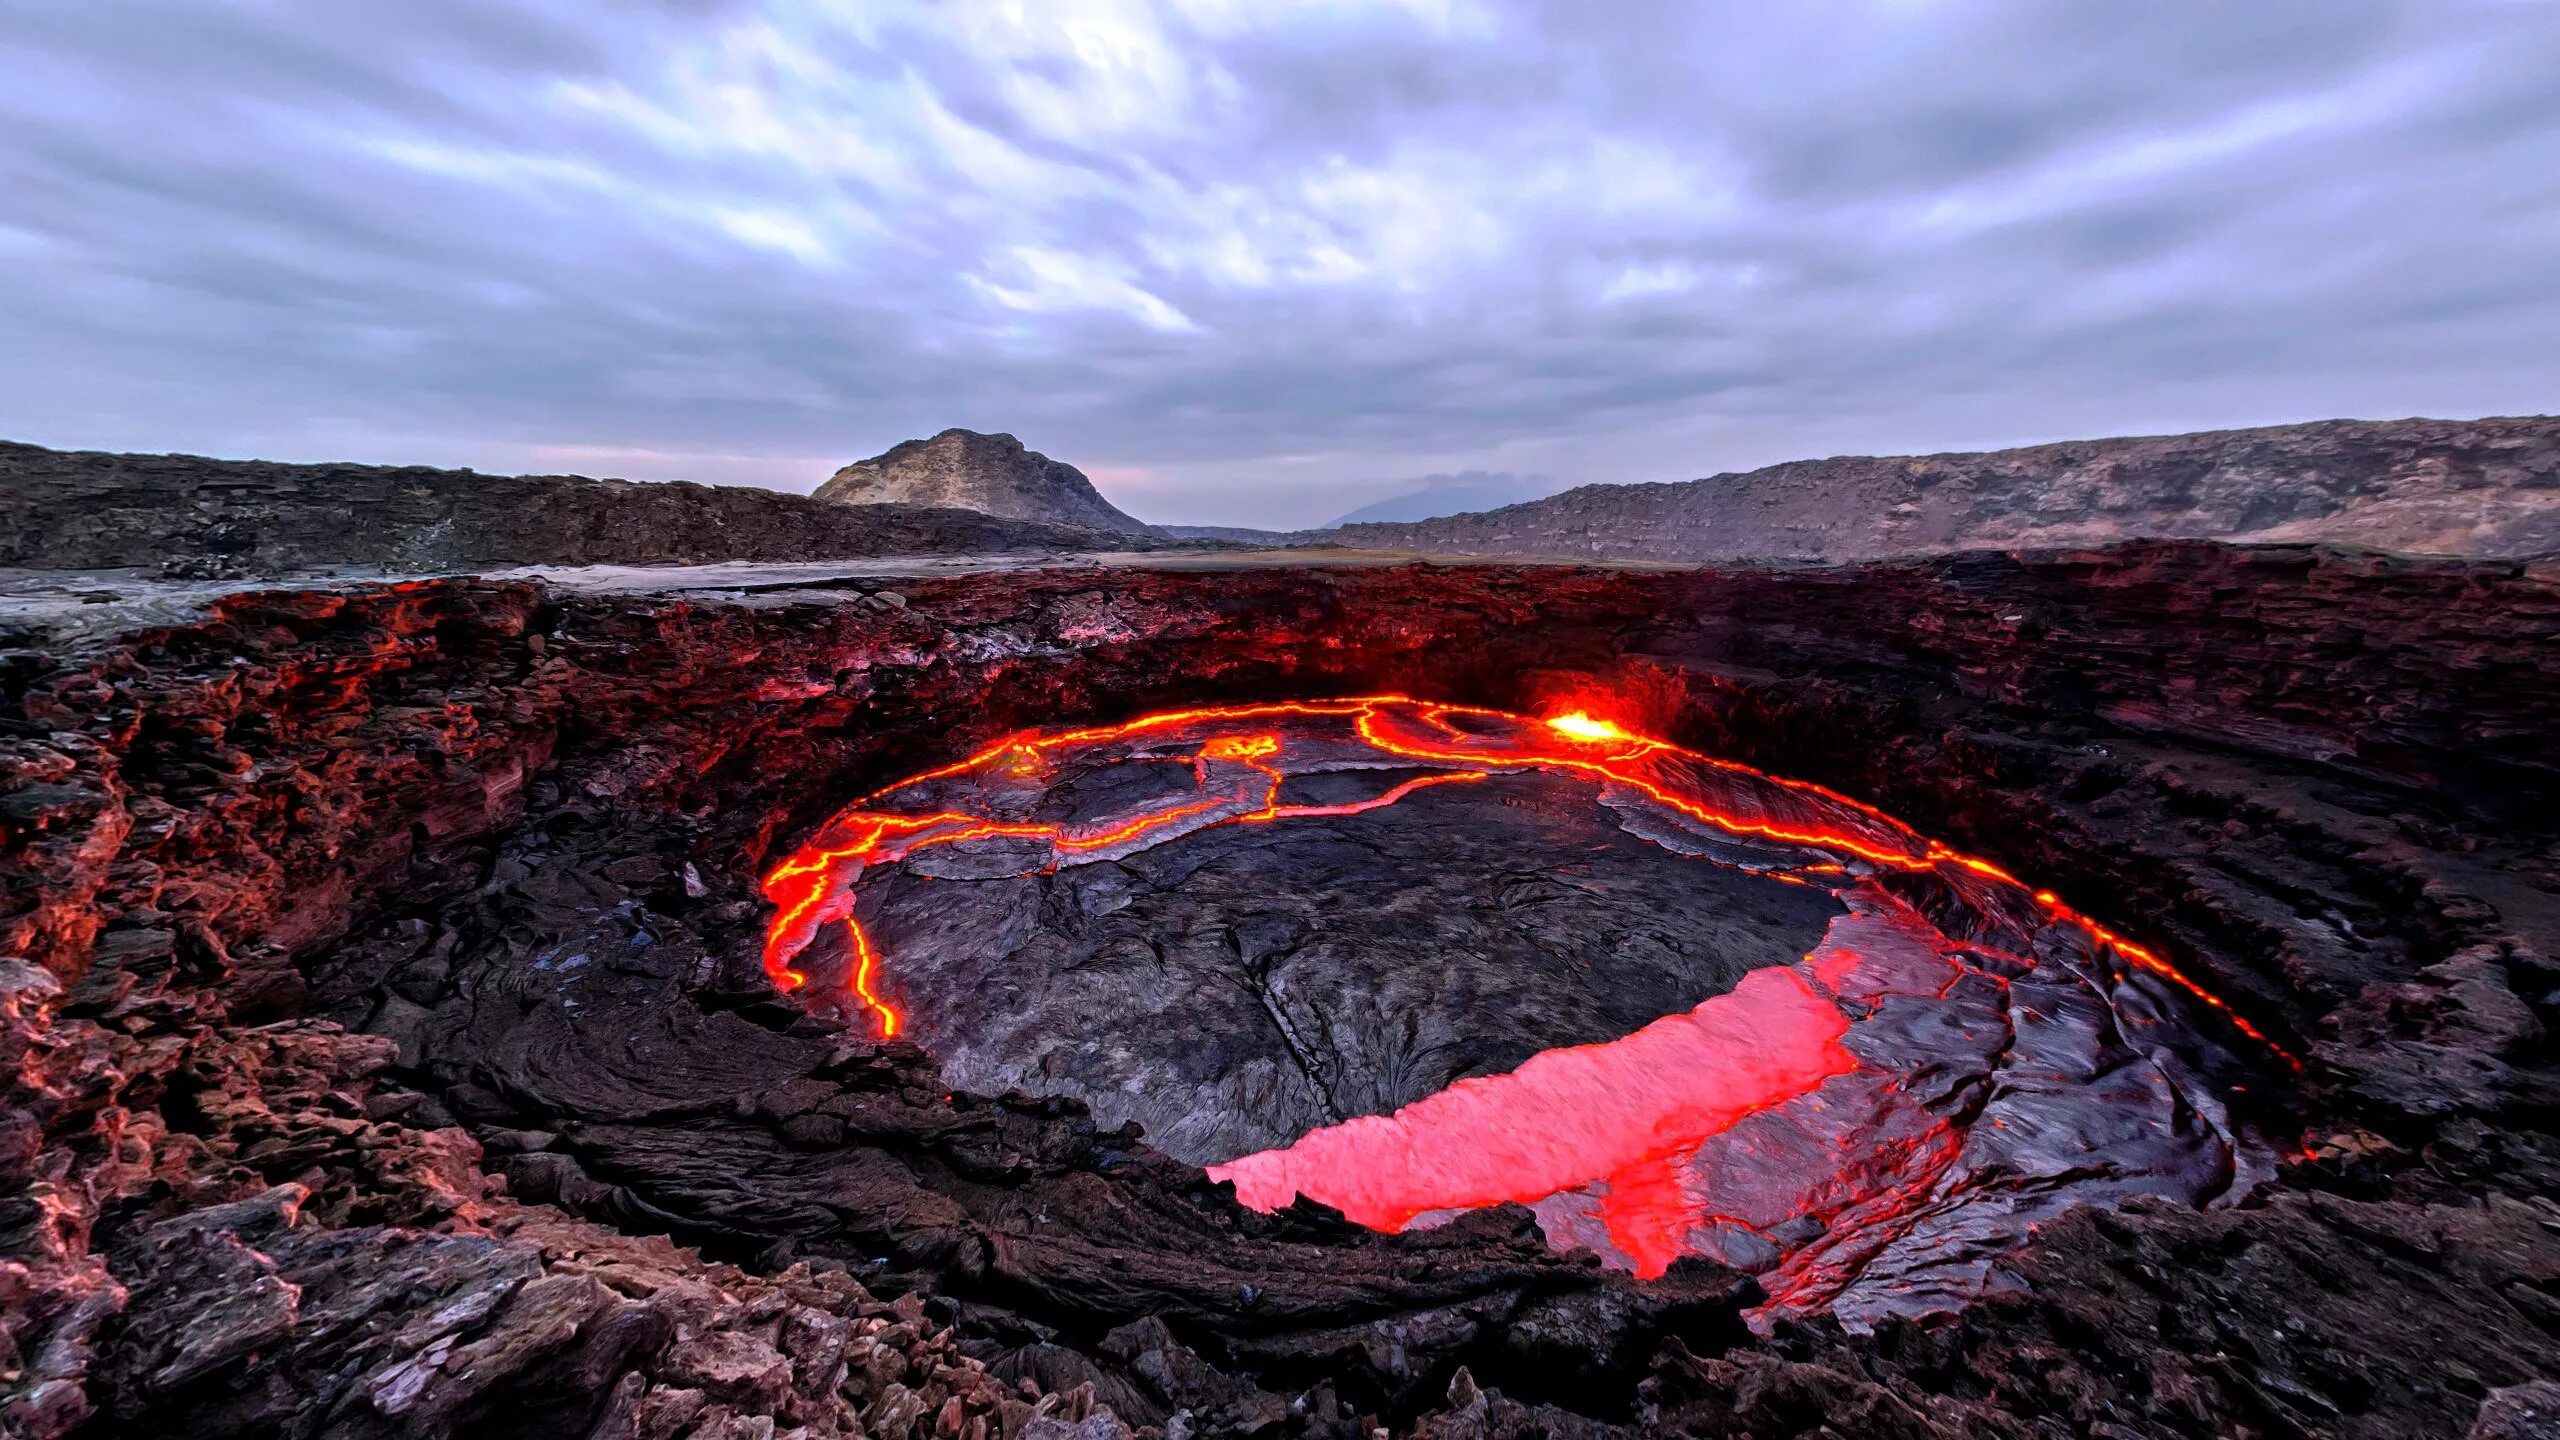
(993, 474)
(87, 510)
(2432, 487)
(391, 1053)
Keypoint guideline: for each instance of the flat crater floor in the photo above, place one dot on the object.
(1408, 959)
(1232, 989)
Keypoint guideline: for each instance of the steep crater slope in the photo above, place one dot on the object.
(513, 836)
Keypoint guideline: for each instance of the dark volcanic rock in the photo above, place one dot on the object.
(2322, 782)
(83, 510)
(390, 1288)
(964, 470)
(1248, 984)
(2437, 487)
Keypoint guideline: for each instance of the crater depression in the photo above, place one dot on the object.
(1411, 958)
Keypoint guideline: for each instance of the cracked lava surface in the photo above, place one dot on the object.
(1408, 959)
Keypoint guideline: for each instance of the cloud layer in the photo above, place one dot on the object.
(1248, 260)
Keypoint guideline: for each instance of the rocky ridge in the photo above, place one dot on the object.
(2442, 487)
(993, 474)
(75, 510)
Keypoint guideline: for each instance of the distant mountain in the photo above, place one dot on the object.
(211, 519)
(1239, 534)
(1434, 496)
(992, 474)
(2448, 487)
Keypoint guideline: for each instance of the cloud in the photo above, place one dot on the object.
(1062, 280)
(1262, 253)
(786, 234)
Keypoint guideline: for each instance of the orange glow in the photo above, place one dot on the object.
(866, 969)
(1230, 750)
(1240, 747)
(1582, 727)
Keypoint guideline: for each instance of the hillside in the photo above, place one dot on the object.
(2445, 487)
(74, 510)
(993, 474)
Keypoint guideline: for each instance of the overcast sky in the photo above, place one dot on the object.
(1257, 261)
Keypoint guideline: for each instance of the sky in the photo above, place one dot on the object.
(1262, 262)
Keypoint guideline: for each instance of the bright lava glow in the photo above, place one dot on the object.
(1583, 727)
(1619, 1124)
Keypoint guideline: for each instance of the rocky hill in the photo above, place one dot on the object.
(2434, 487)
(993, 474)
(82, 510)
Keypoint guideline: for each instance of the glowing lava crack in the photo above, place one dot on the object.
(1868, 1125)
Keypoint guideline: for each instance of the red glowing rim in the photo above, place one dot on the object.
(814, 885)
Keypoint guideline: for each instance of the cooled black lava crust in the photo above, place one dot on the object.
(1239, 986)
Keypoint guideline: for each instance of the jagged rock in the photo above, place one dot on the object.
(2520, 1412)
(282, 1310)
(993, 474)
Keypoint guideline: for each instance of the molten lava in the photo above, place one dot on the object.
(1583, 727)
(1803, 1094)
(1624, 1108)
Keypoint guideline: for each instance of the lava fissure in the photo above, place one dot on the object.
(800, 886)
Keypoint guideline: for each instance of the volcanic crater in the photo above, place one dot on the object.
(1674, 1005)
(2023, 994)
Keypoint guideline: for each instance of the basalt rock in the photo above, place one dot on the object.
(390, 1053)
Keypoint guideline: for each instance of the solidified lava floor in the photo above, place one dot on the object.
(1410, 959)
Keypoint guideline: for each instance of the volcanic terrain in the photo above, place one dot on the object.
(2076, 992)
